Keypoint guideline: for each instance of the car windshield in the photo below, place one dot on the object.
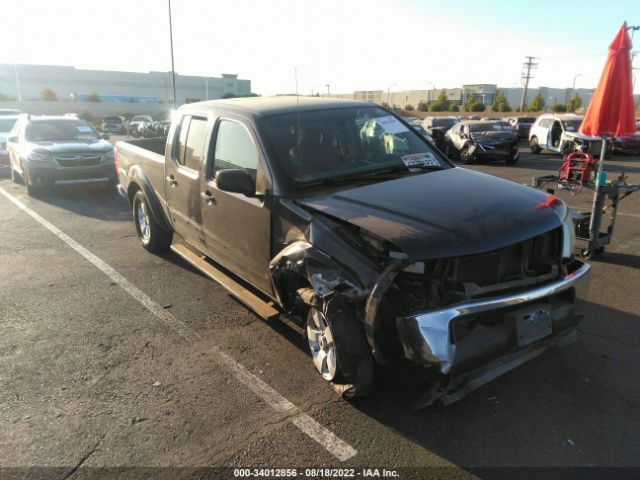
(139, 118)
(112, 119)
(572, 125)
(490, 127)
(60, 130)
(320, 145)
(444, 122)
(526, 120)
(6, 124)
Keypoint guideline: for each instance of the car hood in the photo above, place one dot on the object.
(493, 137)
(70, 147)
(445, 213)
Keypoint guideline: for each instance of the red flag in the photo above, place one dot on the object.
(611, 111)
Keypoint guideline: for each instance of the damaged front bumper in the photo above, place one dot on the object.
(460, 337)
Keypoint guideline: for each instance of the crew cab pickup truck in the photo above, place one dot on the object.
(337, 215)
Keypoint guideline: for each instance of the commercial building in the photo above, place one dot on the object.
(486, 93)
(27, 82)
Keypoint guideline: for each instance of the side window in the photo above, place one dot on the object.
(235, 149)
(189, 151)
(194, 147)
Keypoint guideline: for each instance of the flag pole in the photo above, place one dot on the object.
(598, 199)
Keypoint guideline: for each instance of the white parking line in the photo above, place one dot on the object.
(326, 438)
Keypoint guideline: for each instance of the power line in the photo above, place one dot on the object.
(525, 76)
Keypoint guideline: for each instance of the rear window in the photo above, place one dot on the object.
(444, 122)
(112, 119)
(6, 124)
(60, 130)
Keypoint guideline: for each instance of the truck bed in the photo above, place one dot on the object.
(147, 153)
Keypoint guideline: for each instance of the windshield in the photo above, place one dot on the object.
(140, 118)
(572, 125)
(60, 130)
(112, 119)
(444, 122)
(320, 145)
(490, 127)
(526, 120)
(6, 124)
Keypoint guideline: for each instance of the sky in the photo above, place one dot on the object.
(348, 44)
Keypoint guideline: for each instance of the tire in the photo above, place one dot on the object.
(32, 189)
(533, 145)
(153, 237)
(513, 159)
(346, 362)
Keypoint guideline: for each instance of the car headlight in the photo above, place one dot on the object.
(108, 157)
(38, 157)
(568, 236)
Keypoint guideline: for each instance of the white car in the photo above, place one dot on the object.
(559, 133)
(6, 124)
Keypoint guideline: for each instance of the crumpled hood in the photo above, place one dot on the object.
(444, 213)
(71, 147)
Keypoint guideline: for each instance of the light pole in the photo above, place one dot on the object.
(15, 71)
(173, 70)
(573, 88)
(389, 93)
(433, 89)
(328, 92)
(206, 87)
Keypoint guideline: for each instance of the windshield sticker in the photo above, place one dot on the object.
(416, 161)
(84, 128)
(391, 124)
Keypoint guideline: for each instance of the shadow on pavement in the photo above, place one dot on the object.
(96, 201)
(570, 407)
(622, 259)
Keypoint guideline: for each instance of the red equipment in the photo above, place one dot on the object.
(576, 167)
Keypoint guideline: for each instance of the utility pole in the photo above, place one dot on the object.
(15, 71)
(173, 70)
(328, 91)
(525, 77)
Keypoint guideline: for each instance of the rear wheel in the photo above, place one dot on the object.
(339, 348)
(533, 145)
(151, 235)
(28, 182)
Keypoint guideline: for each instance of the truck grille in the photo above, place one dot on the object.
(81, 160)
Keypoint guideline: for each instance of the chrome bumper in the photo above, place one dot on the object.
(427, 337)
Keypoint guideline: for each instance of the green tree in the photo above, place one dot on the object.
(48, 95)
(558, 107)
(441, 103)
(229, 95)
(453, 107)
(574, 104)
(423, 106)
(500, 104)
(471, 101)
(478, 107)
(537, 104)
(409, 108)
(93, 97)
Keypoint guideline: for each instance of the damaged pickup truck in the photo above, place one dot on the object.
(337, 215)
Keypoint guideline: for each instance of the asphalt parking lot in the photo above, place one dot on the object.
(90, 376)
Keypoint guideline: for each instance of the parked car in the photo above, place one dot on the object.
(472, 141)
(336, 215)
(626, 144)
(559, 133)
(113, 124)
(159, 129)
(9, 111)
(420, 129)
(437, 127)
(138, 125)
(6, 125)
(47, 150)
(522, 125)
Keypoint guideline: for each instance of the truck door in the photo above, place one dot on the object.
(182, 182)
(237, 228)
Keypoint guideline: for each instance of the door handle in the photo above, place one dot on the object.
(208, 197)
(171, 180)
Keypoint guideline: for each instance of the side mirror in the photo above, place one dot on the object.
(105, 136)
(13, 139)
(236, 181)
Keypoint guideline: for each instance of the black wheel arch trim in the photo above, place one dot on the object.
(139, 181)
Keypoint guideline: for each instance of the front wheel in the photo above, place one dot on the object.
(339, 348)
(151, 235)
(533, 145)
